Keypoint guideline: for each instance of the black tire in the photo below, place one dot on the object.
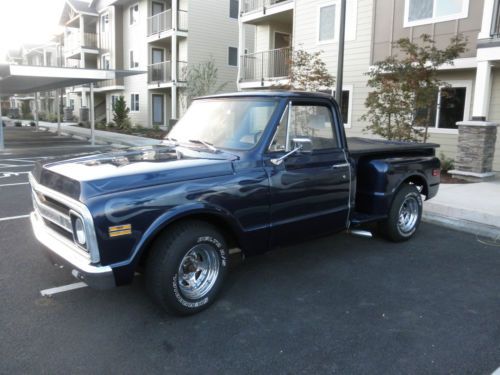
(164, 275)
(391, 228)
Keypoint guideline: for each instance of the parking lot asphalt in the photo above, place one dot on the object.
(337, 305)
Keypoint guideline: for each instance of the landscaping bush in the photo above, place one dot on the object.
(447, 164)
(18, 124)
(111, 124)
(32, 123)
(81, 124)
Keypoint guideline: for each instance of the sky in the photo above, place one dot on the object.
(27, 21)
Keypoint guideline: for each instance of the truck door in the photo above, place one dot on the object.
(309, 192)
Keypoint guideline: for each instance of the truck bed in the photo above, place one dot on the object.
(363, 146)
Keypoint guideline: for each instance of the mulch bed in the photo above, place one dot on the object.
(448, 179)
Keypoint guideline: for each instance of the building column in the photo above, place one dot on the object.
(241, 44)
(482, 91)
(92, 115)
(173, 62)
(488, 10)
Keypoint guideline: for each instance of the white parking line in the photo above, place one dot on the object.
(11, 174)
(60, 289)
(14, 217)
(15, 184)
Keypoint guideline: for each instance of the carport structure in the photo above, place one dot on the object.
(26, 79)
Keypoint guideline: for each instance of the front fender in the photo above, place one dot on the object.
(124, 271)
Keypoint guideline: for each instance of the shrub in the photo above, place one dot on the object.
(32, 123)
(111, 124)
(120, 114)
(81, 124)
(447, 164)
(18, 123)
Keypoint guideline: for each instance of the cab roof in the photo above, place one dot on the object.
(270, 94)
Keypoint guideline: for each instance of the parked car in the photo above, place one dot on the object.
(239, 172)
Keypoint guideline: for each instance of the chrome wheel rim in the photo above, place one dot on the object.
(408, 215)
(198, 271)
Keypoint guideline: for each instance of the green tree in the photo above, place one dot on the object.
(26, 110)
(405, 88)
(120, 113)
(308, 72)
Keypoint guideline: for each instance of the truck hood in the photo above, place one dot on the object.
(86, 177)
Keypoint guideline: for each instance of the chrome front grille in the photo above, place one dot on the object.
(59, 217)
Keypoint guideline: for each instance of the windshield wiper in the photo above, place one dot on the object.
(170, 141)
(206, 144)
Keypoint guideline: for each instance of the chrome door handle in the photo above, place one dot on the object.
(342, 165)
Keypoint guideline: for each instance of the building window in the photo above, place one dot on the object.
(114, 99)
(452, 104)
(327, 22)
(345, 110)
(72, 103)
(104, 22)
(133, 63)
(233, 9)
(133, 14)
(105, 62)
(134, 102)
(420, 12)
(232, 56)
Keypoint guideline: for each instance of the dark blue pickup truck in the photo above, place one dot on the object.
(243, 172)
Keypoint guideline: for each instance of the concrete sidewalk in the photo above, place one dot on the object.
(473, 208)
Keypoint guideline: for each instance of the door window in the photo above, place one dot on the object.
(306, 121)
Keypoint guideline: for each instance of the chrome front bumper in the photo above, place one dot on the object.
(65, 253)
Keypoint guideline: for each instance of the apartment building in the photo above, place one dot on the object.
(39, 55)
(474, 92)
(313, 25)
(371, 28)
(162, 38)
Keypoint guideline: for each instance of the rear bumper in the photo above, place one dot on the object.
(63, 253)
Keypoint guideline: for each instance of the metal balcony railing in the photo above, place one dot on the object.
(79, 40)
(109, 83)
(495, 21)
(160, 72)
(248, 6)
(260, 66)
(163, 22)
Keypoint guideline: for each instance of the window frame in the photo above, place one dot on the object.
(434, 19)
(228, 56)
(134, 102)
(114, 97)
(104, 27)
(350, 89)
(132, 63)
(237, 9)
(108, 56)
(336, 26)
(132, 21)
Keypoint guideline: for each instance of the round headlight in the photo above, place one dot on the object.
(79, 231)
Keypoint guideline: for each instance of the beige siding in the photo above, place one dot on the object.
(211, 32)
(389, 27)
(357, 50)
(134, 37)
(495, 114)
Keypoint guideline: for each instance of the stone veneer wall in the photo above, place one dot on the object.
(476, 147)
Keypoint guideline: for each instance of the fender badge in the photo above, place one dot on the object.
(120, 230)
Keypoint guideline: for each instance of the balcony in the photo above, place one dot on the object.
(160, 74)
(266, 67)
(78, 42)
(109, 84)
(161, 24)
(256, 9)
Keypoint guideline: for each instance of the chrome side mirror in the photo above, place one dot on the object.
(302, 145)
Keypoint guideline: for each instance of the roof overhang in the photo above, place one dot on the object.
(24, 79)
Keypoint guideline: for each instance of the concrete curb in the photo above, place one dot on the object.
(464, 225)
(104, 137)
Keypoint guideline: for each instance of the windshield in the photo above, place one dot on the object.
(231, 123)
